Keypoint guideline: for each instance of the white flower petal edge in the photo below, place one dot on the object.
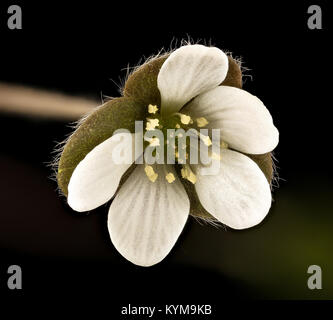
(145, 218)
(245, 123)
(239, 195)
(189, 71)
(96, 178)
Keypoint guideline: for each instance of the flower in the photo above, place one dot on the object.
(152, 202)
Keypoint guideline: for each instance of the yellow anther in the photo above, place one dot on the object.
(180, 160)
(216, 156)
(154, 142)
(184, 118)
(152, 124)
(153, 177)
(149, 170)
(151, 174)
(170, 177)
(177, 126)
(188, 174)
(152, 108)
(224, 145)
(201, 122)
(206, 140)
(192, 177)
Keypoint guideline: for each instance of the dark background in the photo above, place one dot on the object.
(78, 48)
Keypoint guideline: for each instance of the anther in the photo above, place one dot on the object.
(201, 122)
(188, 174)
(206, 140)
(170, 177)
(184, 119)
(151, 124)
(154, 142)
(151, 174)
(224, 145)
(152, 108)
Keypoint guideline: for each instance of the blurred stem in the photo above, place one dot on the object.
(42, 103)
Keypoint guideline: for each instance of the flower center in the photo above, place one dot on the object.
(169, 139)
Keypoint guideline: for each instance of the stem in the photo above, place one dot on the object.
(42, 103)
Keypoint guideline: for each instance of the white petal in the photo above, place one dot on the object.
(245, 123)
(189, 71)
(239, 195)
(96, 178)
(146, 218)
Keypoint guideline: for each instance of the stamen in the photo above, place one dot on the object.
(224, 145)
(184, 119)
(188, 174)
(152, 108)
(201, 122)
(151, 124)
(180, 161)
(206, 140)
(151, 174)
(170, 177)
(215, 156)
(177, 126)
(154, 142)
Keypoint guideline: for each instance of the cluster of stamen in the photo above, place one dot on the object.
(177, 121)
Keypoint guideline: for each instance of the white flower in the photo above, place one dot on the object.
(150, 210)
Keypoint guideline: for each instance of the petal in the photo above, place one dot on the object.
(189, 71)
(146, 218)
(265, 163)
(245, 123)
(96, 128)
(96, 178)
(239, 195)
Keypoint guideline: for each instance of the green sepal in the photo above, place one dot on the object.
(119, 113)
(142, 83)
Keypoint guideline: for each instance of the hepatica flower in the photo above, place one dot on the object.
(194, 87)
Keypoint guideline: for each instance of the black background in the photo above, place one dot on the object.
(78, 48)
